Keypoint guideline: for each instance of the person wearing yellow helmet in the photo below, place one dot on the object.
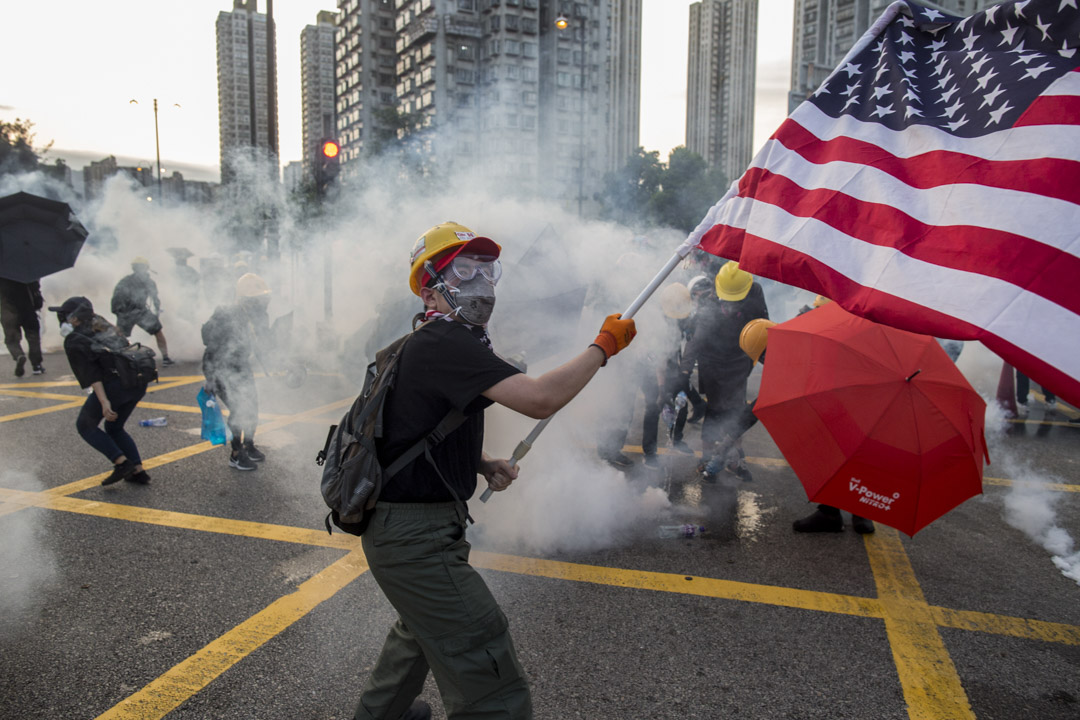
(232, 335)
(449, 622)
(723, 368)
(131, 301)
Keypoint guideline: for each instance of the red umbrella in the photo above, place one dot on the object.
(873, 420)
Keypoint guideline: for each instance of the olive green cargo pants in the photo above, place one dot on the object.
(448, 620)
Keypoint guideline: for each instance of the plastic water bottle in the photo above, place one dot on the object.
(154, 422)
(680, 400)
(668, 416)
(680, 531)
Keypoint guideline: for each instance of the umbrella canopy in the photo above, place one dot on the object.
(873, 420)
(38, 237)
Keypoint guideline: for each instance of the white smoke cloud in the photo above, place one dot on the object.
(27, 564)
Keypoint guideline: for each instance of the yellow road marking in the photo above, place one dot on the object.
(1004, 625)
(41, 395)
(931, 685)
(42, 411)
(198, 448)
(685, 584)
(184, 680)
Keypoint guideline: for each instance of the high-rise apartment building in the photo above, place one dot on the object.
(497, 85)
(720, 83)
(317, 86)
(365, 73)
(624, 58)
(824, 31)
(247, 82)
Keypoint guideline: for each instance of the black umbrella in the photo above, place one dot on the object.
(38, 237)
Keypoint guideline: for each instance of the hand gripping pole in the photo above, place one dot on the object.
(525, 445)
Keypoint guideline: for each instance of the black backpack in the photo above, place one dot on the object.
(133, 363)
(352, 477)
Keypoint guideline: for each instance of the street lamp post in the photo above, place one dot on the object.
(157, 143)
(562, 23)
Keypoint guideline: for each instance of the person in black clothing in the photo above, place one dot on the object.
(85, 337)
(232, 335)
(19, 303)
(448, 621)
(129, 304)
(723, 368)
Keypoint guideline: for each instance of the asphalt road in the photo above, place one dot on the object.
(217, 594)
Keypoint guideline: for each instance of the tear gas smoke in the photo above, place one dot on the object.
(27, 564)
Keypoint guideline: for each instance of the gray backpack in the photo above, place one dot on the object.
(352, 477)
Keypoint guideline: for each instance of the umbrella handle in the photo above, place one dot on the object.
(525, 445)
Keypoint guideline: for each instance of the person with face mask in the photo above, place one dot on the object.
(84, 335)
(232, 335)
(449, 622)
(131, 302)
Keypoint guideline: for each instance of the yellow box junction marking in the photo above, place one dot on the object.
(931, 685)
(182, 681)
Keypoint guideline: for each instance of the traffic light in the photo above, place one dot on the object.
(327, 165)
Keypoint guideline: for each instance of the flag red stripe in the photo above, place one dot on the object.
(1050, 177)
(1052, 110)
(769, 259)
(1039, 268)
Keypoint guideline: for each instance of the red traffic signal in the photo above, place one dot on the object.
(330, 149)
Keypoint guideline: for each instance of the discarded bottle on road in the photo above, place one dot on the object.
(680, 531)
(214, 428)
(154, 422)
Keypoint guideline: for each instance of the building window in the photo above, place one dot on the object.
(528, 97)
(467, 5)
(466, 51)
(528, 74)
(562, 79)
(493, 23)
(529, 25)
(563, 55)
(466, 76)
(513, 72)
(511, 120)
(513, 23)
(528, 49)
(530, 4)
(513, 47)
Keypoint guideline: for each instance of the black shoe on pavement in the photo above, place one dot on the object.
(253, 453)
(140, 478)
(419, 710)
(861, 525)
(740, 471)
(617, 460)
(819, 521)
(20, 366)
(39, 369)
(239, 460)
(652, 460)
(682, 447)
(120, 472)
(166, 361)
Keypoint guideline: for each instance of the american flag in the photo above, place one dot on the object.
(932, 183)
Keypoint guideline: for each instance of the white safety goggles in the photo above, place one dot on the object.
(462, 269)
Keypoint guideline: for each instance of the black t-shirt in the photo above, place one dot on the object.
(444, 366)
(89, 363)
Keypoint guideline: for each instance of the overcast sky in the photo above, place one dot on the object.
(72, 67)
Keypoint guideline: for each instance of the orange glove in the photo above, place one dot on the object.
(615, 335)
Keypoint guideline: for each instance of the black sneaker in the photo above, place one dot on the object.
(120, 472)
(861, 525)
(20, 366)
(652, 460)
(166, 361)
(140, 478)
(419, 710)
(819, 521)
(682, 447)
(618, 460)
(253, 453)
(240, 461)
(39, 369)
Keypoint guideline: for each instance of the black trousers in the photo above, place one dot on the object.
(15, 326)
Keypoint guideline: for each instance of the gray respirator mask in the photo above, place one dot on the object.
(468, 284)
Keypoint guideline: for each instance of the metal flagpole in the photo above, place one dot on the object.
(525, 445)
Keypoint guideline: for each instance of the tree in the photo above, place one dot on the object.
(627, 191)
(688, 188)
(17, 153)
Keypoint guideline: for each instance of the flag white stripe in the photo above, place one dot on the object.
(1010, 211)
(1013, 314)
(1067, 84)
(1030, 142)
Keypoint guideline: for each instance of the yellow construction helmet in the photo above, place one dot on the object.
(820, 300)
(251, 285)
(140, 260)
(754, 337)
(732, 283)
(675, 301)
(447, 240)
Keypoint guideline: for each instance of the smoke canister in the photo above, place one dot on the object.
(154, 422)
(680, 531)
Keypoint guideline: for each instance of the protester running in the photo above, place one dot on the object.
(131, 302)
(19, 305)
